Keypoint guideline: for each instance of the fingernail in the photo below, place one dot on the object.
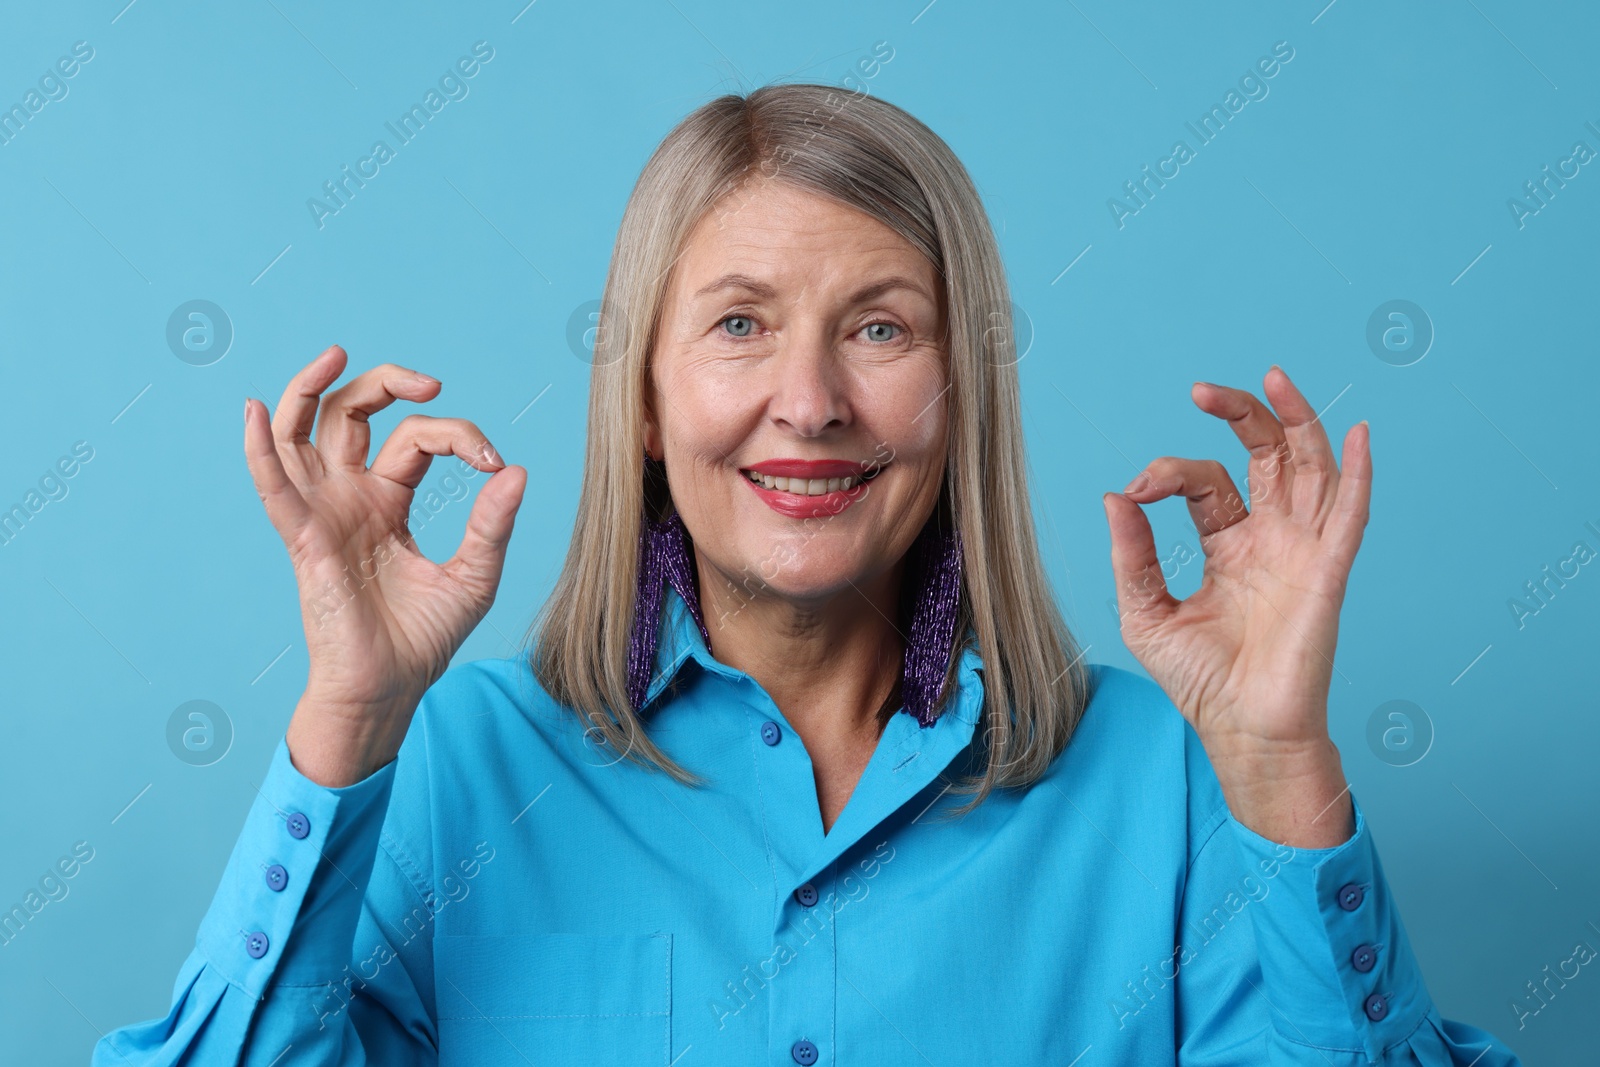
(247, 411)
(1138, 483)
(426, 380)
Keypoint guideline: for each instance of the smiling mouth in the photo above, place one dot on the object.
(811, 478)
(810, 488)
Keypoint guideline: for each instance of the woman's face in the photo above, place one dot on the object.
(801, 344)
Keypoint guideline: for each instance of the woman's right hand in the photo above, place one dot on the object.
(381, 619)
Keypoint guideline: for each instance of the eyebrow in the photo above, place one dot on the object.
(767, 292)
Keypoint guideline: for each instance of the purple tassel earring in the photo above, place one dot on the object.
(663, 560)
(935, 573)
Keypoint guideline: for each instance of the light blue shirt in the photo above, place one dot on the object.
(504, 892)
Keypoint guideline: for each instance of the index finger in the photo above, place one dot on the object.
(343, 433)
(297, 408)
(1260, 432)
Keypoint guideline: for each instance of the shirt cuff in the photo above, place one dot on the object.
(290, 897)
(1335, 961)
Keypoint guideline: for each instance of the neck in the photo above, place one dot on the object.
(828, 665)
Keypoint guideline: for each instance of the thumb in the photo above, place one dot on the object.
(1142, 596)
(286, 508)
(481, 556)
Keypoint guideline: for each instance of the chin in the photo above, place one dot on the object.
(804, 573)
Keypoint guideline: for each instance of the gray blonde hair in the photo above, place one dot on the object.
(874, 157)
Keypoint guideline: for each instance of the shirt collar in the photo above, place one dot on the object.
(908, 759)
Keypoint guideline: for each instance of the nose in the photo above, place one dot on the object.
(810, 387)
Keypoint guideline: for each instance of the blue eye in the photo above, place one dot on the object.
(877, 331)
(738, 325)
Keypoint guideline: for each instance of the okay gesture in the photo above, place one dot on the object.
(1248, 657)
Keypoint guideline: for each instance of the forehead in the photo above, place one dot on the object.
(792, 237)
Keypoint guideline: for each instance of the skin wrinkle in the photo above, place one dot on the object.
(820, 635)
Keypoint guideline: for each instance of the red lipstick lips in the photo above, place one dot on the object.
(805, 505)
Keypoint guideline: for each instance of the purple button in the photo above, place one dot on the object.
(299, 826)
(1364, 958)
(1376, 1007)
(1350, 896)
(770, 732)
(277, 878)
(804, 1053)
(256, 945)
(806, 895)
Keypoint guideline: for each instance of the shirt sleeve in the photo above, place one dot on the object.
(1322, 973)
(314, 949)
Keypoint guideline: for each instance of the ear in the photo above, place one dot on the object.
(652, 432)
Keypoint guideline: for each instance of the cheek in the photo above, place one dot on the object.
(706, 418)
(909, 419)
(701, 408)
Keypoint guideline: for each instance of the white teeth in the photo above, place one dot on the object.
(805, 486)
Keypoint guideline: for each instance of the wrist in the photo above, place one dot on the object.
(1290, 793)
(336, 745)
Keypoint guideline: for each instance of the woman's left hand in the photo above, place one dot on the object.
(1248, 657)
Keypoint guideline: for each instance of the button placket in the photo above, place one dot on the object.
(1364, 957)
(804, 989)
(276, 875)
(801, 980)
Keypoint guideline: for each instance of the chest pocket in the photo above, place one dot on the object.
(554, 998)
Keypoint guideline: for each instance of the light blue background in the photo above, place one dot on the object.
(1378, 167)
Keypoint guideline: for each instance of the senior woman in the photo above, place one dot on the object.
(804, 766)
